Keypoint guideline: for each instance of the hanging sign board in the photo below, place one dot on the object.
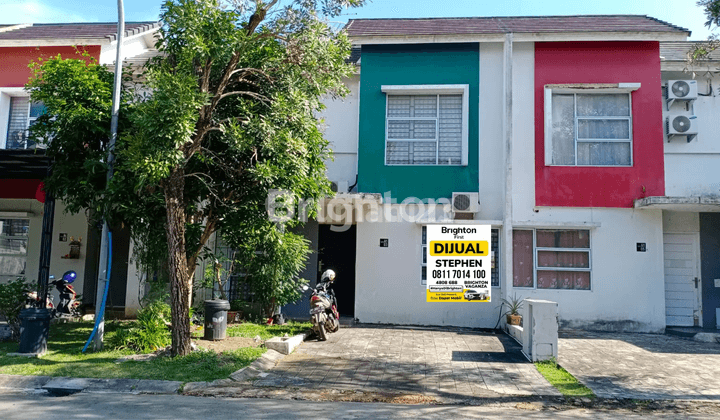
(458, 263)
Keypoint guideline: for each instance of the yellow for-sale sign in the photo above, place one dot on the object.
(458, 263)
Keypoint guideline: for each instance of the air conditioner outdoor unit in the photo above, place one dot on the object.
(682, 89)
(463, 202)
(682, 125)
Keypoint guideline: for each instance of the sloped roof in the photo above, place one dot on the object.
(501, 25)
(76, 31)
(678, 51)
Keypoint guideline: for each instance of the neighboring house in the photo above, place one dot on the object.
(579, 214)
(22, 166)
(691, 202)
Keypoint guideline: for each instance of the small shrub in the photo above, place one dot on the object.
(150, 332)
(13, 296)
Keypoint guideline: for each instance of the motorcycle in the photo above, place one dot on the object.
(324, 315)
(68, 305)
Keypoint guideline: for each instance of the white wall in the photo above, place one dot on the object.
(627, 287)
(73, 225)
(388, 286)
(491, 183)
(681, 222)
(693, 169)
(341, 121)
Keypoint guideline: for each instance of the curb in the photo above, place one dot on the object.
(254, 370)
(65, 386)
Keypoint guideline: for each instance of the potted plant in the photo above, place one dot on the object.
(512, 316)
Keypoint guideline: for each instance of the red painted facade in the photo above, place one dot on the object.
(15, 72)
(602, 62)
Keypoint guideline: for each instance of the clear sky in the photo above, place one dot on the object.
(683, 13)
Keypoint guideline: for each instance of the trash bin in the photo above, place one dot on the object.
(216, 319)
(34, 330)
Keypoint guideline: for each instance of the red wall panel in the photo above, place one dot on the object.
(14, 71)
(22, 188)
(602, 62)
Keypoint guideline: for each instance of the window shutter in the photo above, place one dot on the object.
(18, 122)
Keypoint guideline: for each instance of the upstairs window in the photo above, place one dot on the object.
(22, 115)
(589, 128)
(426, 125)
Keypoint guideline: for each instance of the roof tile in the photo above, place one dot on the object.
(75, 30)
(499, 25)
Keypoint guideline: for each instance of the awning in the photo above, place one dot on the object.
(703, 203)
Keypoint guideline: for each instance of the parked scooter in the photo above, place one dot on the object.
(68, 306)
(324, 315)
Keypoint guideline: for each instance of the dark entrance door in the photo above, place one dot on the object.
(336, 251)
(118, 277)
(710, 267)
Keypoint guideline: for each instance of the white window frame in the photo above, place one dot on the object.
(586, 89)
(6, 95)
(431, 90)
(27, 241)
(535, 260)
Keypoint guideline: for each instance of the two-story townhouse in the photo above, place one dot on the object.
(691, 203)
(23, 165)
(553, 124)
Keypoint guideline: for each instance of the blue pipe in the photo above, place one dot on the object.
(101, 313)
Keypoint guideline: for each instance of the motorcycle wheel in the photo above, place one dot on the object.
(322, 335)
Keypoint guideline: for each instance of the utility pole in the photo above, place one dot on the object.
(105, 246)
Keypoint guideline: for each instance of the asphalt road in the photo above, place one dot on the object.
(16, 405)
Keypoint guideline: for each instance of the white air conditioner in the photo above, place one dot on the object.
(463, 202)
(682, 89)
(681, 125)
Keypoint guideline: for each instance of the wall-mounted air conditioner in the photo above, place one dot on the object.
(681, 125)
(463, 202)
(681, 90)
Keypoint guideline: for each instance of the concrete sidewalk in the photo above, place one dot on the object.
(449, 363)
(642, 366)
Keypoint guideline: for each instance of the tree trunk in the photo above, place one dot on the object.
(177, 263)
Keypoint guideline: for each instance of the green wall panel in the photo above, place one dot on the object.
(414, 65)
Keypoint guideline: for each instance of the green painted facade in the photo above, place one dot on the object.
(414, 65)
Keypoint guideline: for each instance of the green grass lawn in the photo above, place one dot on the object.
(250, 330)
(64, 356)
(563, 380)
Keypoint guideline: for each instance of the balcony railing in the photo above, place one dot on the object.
(20, 139)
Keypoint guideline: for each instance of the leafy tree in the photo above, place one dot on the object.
(701, 51)
(228, 114)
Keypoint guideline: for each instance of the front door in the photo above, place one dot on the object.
(710, 245)
(336, 251)
(682, 293)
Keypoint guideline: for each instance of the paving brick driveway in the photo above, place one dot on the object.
(642, 366)
(453, 363)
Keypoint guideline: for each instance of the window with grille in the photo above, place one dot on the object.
(22, 115)
(426, 125)
(551, 259)
(13, 246)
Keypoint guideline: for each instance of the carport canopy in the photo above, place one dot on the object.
(702, 203)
